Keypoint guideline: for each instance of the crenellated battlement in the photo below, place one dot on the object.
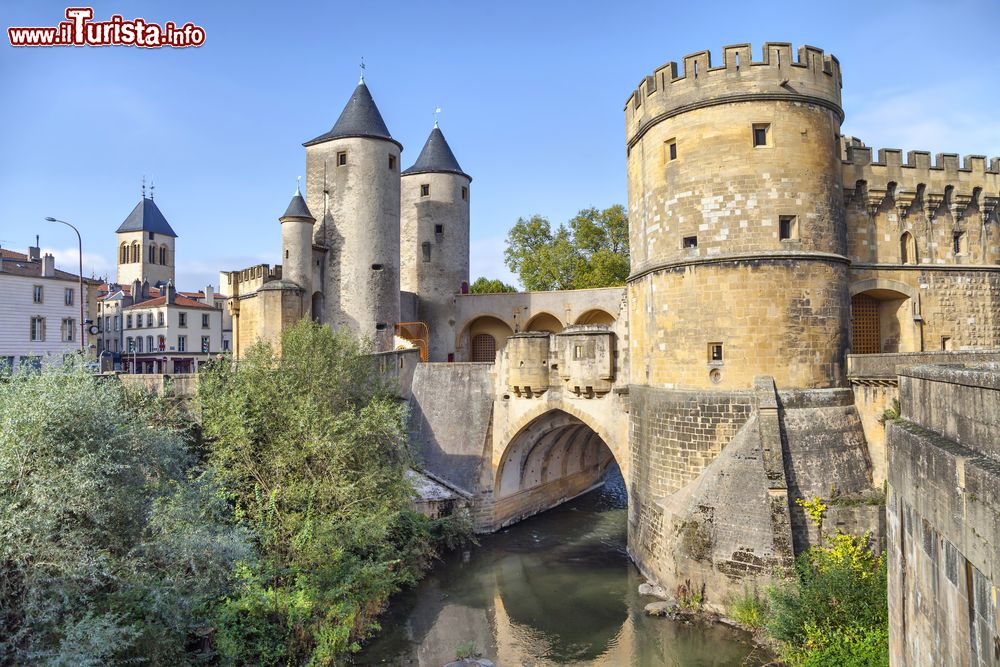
(971, 178)
(808, 75)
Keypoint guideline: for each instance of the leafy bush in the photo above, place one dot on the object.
(311, 446)
(749, 608)
(114, 542)
(836, 605)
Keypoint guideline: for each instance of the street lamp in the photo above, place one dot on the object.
(80, 243)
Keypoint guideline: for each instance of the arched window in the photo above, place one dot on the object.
(484, 348)
(123, 254)
(907, 249)
(135, 253)
(163, 255)
(152, 254)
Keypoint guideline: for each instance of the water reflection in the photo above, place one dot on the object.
(557, 589)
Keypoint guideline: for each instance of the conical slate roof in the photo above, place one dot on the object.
(436, 156)
(297, 208)
(360, 118)
(146, 217)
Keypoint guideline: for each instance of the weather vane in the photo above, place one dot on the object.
(362, 70)
(298, 184)
(437, 110)
(152, 189)
(144, 186)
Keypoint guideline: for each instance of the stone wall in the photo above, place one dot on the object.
(944, 517)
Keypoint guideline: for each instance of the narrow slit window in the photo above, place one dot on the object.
(956, 242)
(376, 267)
(761, 134)
(426, 248)
(671, 149)
(341, 158)
(690, 241)
(465, 193)
(788, 228)
(392, 163)
(715, 353)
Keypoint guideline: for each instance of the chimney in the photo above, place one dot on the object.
(136, 291)
(48, 266)
(145, 289)
(170, 293)
(210, 296)
(35, 251)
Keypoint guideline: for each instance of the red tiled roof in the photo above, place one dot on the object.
(13, 254)
(179, 300)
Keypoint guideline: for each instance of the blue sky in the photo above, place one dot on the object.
(531, 96)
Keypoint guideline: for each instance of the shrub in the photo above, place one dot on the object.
(114, 542)
(749, 608)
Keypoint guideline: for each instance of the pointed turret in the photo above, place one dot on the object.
(360, 118)
(436, 157)
(352, 187)
(296, 243)
(434, 238)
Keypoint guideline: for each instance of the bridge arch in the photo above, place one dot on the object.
(551, 455)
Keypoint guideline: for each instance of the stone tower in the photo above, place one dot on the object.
(296, 245)
(352, 183)
(434, 235)
(146, 246)
(737, 223)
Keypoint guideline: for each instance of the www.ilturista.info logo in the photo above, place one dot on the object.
(80, 30)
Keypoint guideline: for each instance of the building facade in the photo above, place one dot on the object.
(42, 310)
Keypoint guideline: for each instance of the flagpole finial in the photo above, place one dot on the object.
(298, 184)
(362, 79)
(436, 112)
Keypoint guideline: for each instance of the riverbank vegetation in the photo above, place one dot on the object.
(831, 610)
(270, 533)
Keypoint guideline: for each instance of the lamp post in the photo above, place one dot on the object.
(80, 245)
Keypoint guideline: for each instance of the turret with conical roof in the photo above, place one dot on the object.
(146, 243)
(434, 236)
(296, 245)
(352, 187)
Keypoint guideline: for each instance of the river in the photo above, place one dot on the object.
(556, 589)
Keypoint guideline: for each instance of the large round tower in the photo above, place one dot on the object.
(736, 222)
(434, 235)
(352, 183)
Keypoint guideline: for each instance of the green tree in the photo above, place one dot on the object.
(591, 251)
(487, 286)
(312, 447)
(114, 541)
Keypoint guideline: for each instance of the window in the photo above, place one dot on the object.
(6, 365)
(425, 190)
(37, 294)
(907, 249)
(788, 228)
(671, 149)
(182, 343)
(69, 296)
(152, 235)
(163, 254)
(138, 345)
(225, 346)
(761, 134)
(159, 319)
(392, 163)
(957, 243)
(149, 344)
(68, 327)
(107, 323)
(439, 229)
(182, 320)
(946, 342)
(690, 241)
(376, 267)
(130, 345)
(204, 320)
(484, 348)
(123, 254)
(426, 247)
(715, 353)
(128, 321)
(37, 333)
(152, 254)
(465, 193)
(118, 322)
(161, 343)
(341, 158)
(138, 321)
(381, 326)
(149, 319)
(204, 344)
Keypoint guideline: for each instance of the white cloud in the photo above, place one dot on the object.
(486, 259)
(941, 119)
(94, 264)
